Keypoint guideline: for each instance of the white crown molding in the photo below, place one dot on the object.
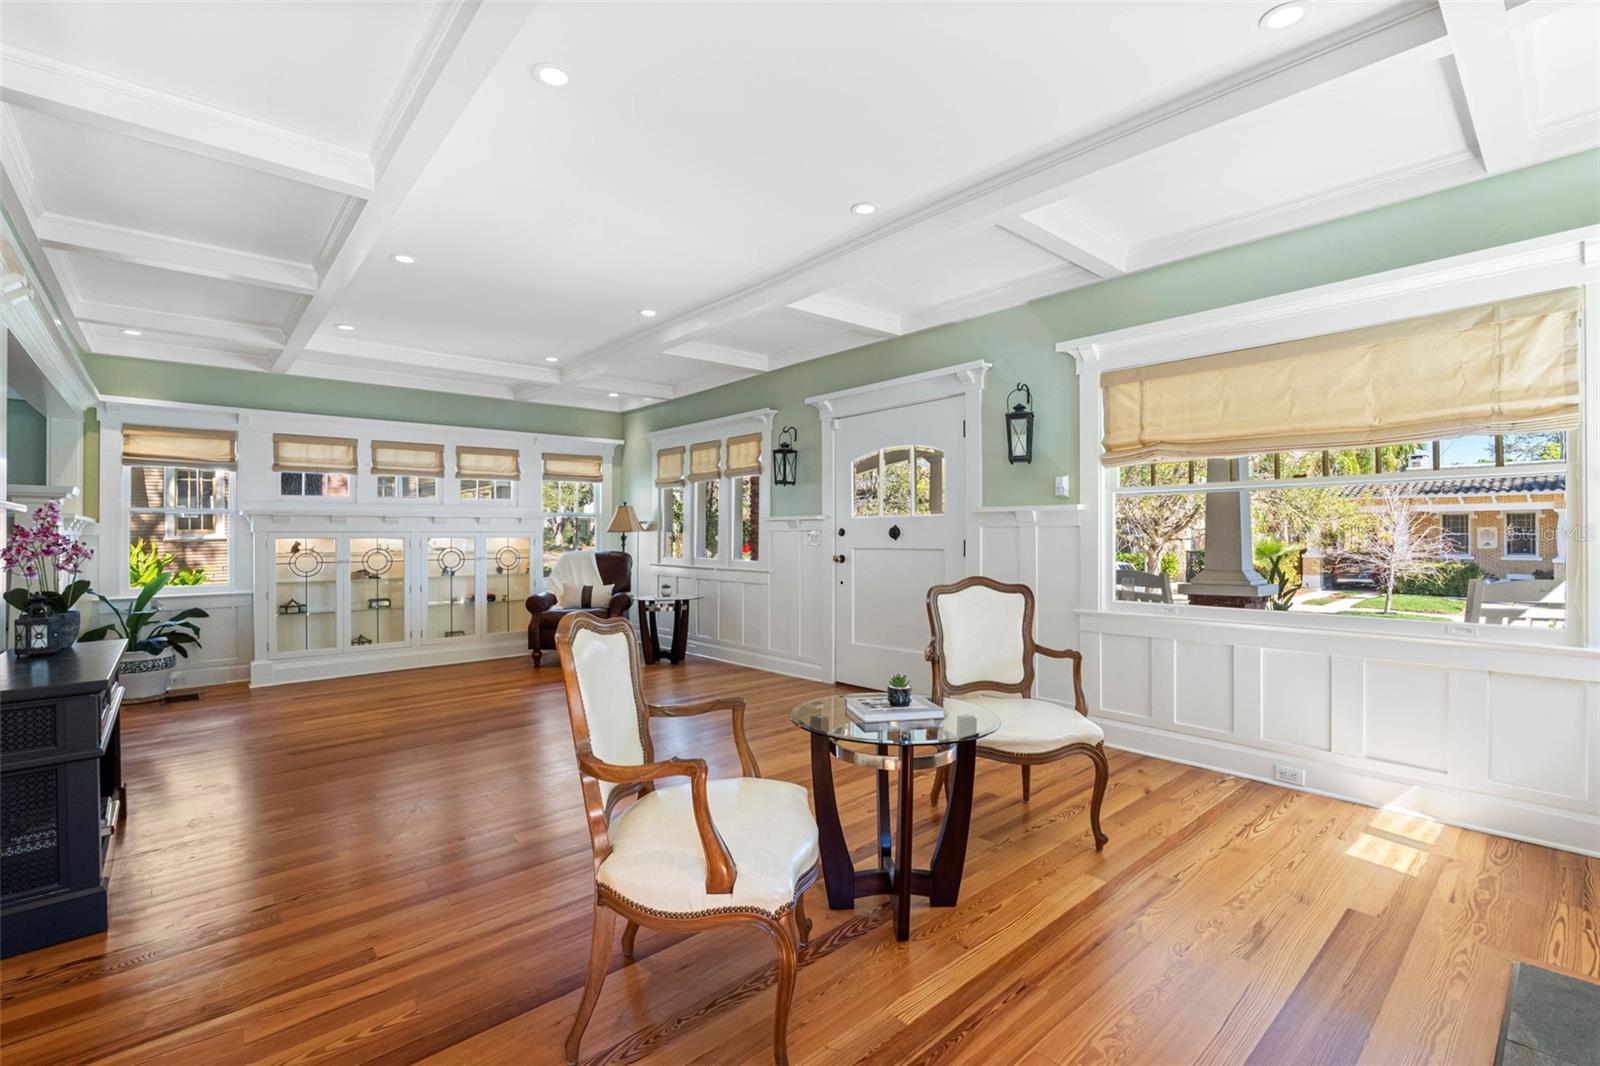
(79, 94)
(226, 331)
(1001, 297)
(760, 416)
(1070, 237)
(468, 367)
(721, 355)
(108, 241)
(26, 313)
(898, 392)
(831, 308)
(109, 342)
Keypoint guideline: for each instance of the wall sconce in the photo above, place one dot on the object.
(1019, 426)
(785, 460)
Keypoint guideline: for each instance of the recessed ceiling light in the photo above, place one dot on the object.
(347, 327)
(863, 208)
(131, 333)
(613, 395)
(398, 258)
(551, 359)
(1283, 16)
(551, 75)
(647, 312)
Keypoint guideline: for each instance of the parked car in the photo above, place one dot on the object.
(1342, 568)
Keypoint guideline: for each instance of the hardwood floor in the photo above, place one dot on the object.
(395, 868)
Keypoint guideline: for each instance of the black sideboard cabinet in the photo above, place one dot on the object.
(61, 792)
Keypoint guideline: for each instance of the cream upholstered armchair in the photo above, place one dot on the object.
(683, 856)
(982, 653)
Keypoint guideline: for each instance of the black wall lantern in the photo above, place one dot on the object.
(1019, 426)
(785, 460)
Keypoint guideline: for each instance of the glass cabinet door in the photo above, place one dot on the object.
(377, 590)
(306, 584)
(510, 583)
(452, 587)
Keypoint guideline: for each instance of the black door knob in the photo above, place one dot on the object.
(894, 532)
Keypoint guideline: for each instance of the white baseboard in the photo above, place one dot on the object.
(1550, 826)
(772, 664)
(264, 672)
(208, 675)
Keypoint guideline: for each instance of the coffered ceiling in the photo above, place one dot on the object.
(229, 183)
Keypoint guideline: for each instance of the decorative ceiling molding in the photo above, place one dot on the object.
(461, 52)
(856, 316)
(470, 367)
(173, 253)
(720, 355)
(1485, 61)
(25, 311)
(87, 96)
(1072, 239)
(116, 316)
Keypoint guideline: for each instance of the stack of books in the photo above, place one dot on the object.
(875, 710)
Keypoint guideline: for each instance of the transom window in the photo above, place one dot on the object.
(900, 481)
(407, 487)
(485, 488)
(305, 483)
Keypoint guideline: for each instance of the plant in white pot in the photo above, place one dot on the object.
(153, 643)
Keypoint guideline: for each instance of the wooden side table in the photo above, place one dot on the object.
(649, 635)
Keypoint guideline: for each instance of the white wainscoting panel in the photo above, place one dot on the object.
(1407, 715)
(1205, 699)
(1296, 698)
(1541, 734)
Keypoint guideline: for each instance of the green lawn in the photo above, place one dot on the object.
(1323, 601)
(1424, 605)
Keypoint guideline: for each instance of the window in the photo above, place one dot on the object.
(571, 518)
(306, 483)
(672, 522)
(708, 518)
(900, 481)
(485, 489)
(747, 494)
(1456, 533)
(1522, 534)
(178, 519)
(406, 487)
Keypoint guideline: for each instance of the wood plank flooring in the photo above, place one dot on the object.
(395, 869)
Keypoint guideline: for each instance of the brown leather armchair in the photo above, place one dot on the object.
(616, 570)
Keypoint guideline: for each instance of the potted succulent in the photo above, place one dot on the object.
(43, 554)
(152, 643)
(899, 691)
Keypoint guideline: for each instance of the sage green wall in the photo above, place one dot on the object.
(1559, 195)
(91, 464)
(25, 443)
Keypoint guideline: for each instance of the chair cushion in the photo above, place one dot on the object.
(982, 635)
(1028, 727)
(656, 861)
(584, 597)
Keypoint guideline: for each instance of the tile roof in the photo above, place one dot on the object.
(1473, 485)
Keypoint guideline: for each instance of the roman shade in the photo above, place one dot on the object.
(179, 447)
(705, 461)
(574, 467)
(744, 455)
(404, 459)
(496, 463)
(1505, 367)
(669, 466)
(315, 455)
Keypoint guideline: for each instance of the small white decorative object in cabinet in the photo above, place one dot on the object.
(341, 603)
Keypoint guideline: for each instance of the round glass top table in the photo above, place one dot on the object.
(898, 748)
(650, 635)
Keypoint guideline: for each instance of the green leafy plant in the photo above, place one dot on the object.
(146, 561)
(1445, 579)
(1279, 563)
(899, 681)
(142, 628)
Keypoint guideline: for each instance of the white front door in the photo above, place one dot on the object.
(899, 513)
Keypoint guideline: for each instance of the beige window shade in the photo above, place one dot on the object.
(317, 455)
(1507, 367)
(705, 461)
(497, 463)
(669, 466)
(744, 455)
(405, 459)
(174, 447)
(574, 467)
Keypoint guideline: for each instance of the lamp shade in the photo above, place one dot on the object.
(623, 520)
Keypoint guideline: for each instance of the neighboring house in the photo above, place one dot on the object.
(1506, 523)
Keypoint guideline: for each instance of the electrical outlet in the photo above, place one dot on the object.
(1289, 775)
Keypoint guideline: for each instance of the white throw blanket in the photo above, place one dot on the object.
(576, 569)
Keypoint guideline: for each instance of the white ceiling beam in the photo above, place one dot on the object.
(79, 94)
(1491, 81)
(857, 316)
(172, 253)
(109, 342)
(1071, 239)
(702, 352)
(631, 387)
(224, 331)
(389, 355)
(460, 55)
(1413, 35)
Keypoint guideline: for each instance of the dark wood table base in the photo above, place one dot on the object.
(649, 632)
(893, 875)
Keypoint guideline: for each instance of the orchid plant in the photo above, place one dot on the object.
(48, 560)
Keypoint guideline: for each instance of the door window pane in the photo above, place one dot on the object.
(452, 581)
(897, 481)
(864, 494)
(377, 590)
(510, 565)
(930, 480)
(307, 616)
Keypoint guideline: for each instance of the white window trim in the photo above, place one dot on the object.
(685, 436)
(114, 565)
(661, 523)
(1525, 268)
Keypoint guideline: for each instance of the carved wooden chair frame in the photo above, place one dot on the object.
(789, 935)
(942, 689)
